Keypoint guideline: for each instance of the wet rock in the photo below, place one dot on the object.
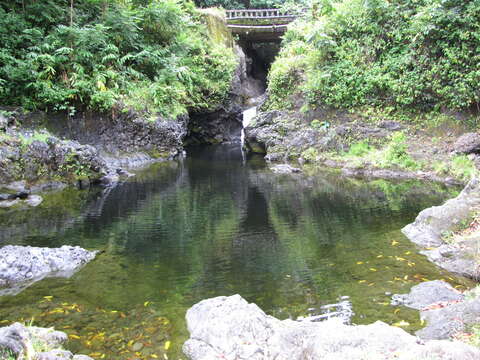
(467, 143)
(457, 258)
(428, 293)
(15, 339)
(285, 169)
(55, 355)
(17, 186)
(431, 223)
(33, 200)
(3, 123)
(445, 322)
(110, 179)
(4, 197)
(229, 327)
(137, 346)
(9, 203)
(391, 125)
(20, 266)
(20, 340)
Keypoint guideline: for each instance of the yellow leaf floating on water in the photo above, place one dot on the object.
(359, 262)
(408, 252)
(394, 243)
(362, 281)
(373, 269)
(379, 256)
(167, 344)
(154, 356)
(401, 323)
(146, 303)
(73, 336)
(405, 277)
(396, 311)
(371, 284)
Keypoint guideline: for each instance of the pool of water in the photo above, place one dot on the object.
(219, 224)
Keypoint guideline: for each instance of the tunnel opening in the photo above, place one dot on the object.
(247, 92)
(259, 57)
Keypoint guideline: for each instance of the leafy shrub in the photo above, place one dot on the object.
(395, 153)
(463, 168)
(419, 54)
(310, 155)
(359, 149)
(152, 55)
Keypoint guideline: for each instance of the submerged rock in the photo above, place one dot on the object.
(24, 341)
(33, 200)
(230, 328)
(285, 169)
(21, 266)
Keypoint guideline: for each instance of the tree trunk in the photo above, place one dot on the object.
(71, 12)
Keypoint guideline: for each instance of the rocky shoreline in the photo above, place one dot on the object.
(231, 328)
(293, 136)
(433, 224)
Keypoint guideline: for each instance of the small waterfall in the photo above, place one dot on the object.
(248, 115)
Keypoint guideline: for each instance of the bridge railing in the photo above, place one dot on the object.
(257, 14)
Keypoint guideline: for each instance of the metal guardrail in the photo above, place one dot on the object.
(257, 14)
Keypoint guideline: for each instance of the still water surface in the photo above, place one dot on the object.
(215, 224)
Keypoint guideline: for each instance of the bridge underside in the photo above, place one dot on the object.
(258, 33)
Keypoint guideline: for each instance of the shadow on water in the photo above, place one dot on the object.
(214, 224)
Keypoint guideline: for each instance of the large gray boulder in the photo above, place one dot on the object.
(431, 223)
(467, 144)
(21, 266)
(230, 328)
(445, 322)
(428, 293)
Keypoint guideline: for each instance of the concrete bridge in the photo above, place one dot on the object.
(258, 25)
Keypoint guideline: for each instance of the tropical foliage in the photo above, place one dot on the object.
(153, 55)
(421, 54)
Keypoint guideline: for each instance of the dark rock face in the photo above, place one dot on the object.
(19, 340)
(221, 125)
(428, 293)
(120, 138)
(283, 135)
(229, 327)
(467, 144)
(43, 160)
(21, 266)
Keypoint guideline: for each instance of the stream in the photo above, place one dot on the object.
(216, 224)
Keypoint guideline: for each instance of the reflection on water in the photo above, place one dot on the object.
(215, 225)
